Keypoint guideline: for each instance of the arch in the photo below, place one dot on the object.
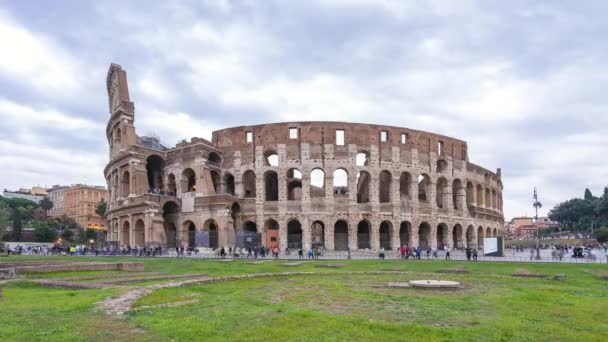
(229, 183)
(442, 236)
(340, 183)
(488, 199)
(363, 180)
(442, 185)
(470, 193)
(424, 235)
(172, 185)
(216, 181)
(424, 182)
(271, 158)
(480, 236)
(363, 235)
(249, 184)
(386, 234)
(188, 180)
(190, 229)
(494, 199)
(139, 233)
(271, 227)
(456, 190)
(235, 214)
(471, 237)
(479, 196)
(385, 181)
(294, 185)
(271, 185)
(317, 183)
(457, 237)
(154, 169)
(117, 136)
(170, 216)
(294, 234)
(214, 159)
(405, 184)
(362, 158)
(488, 232)
(211, 227)
(126, 184)
(405, 233)
(126, 233)
(317, 234)
(341, 235)
(250, 226)
(442, 165)
(495, 233)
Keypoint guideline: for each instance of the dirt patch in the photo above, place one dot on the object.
(523, 273)
(455, 270)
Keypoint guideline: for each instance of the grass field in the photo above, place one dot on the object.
(333, 305)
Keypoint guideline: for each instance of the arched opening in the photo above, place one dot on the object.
(294, 185)
(471, 237)
(480, 237)
(229, 183)
(488, 232)
(250, 227)
(214, 159)
(211, 228)
(386, 229)
(442, 185)
(362, 158)
(154, 168)
(317, 183)
(385, 186)
(247, 236)
(235, 214)
(457, 236)
(442, 236)
(271, 158)
(405, 184)
(479, 196)
(494, 201)
(140, 233)
(126, 184)
(495, 233)
(340, 183)
(294, 234)
(456, 190)
(216, 181)
(424, 182)
(117, 136)
(363, 180)
(488, 199)
(271, 185)
(188, 180)
(363, 235)
(317, 234)
(341, 236)
(424, 235)
(190, 230)
(249, 184)
(470, 194)
(442, 165)
(126, 234)
(272, 234)
(170, 216)
(172, 186)
(405, 231)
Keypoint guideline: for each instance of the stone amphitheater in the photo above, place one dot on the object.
(333, 185)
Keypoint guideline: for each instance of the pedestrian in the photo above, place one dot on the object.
(311, 253)
(475, 255)
(222, 252)
(447, 255)
(469, 253)
(403, 250)
(300, 253)
(381, 255)
(428, 253)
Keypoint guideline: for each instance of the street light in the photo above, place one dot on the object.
(537, 205)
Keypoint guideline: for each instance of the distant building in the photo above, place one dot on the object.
(526, 227)
(79, 203)
(27, 194)
(56, 194)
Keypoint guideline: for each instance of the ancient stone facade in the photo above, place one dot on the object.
(289, 185)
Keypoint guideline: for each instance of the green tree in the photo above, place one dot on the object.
(588, 195)
(5, 215)
(46, 204)
(86, 235)
(67, 235)
(101, 208)
(601, 235)
(17, 225)
(45, 231)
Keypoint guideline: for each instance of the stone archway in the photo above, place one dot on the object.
(126, 234)
(405, 233)
(363, 235)
(273, 239)
(386, 234)
(139, 234)
(341, 236)
(424, 235)
(317, 234)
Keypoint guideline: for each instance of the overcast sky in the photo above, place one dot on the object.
(524, 83)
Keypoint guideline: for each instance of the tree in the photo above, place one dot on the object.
(87, 235)
(101, 208)
(4, 219)
(588, 195)
(601, 235)
(17, 225)
(45, 231)
(46, 204)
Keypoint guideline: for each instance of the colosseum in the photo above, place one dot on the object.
(334, 185)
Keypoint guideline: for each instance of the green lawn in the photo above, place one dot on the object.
(340, 304)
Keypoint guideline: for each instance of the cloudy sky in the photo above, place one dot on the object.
(523, 82)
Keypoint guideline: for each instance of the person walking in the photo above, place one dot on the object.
(475, 255)
(311, 253)
(447, 255)
(300, 253)
(403, 250)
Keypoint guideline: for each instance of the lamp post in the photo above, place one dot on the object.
(537, 205)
